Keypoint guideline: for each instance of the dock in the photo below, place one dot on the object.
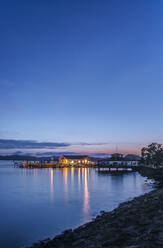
(34, 164)
(117, 169)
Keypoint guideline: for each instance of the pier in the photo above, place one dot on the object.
(35, 164)
(117, 169)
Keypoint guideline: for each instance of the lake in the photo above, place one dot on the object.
(40, 203)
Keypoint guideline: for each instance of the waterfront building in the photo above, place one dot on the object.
(131, 160)
(120, 159)
(75, 160)
(116, 159)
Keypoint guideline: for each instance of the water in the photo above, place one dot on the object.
(40, 203)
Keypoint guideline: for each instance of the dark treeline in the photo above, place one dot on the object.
(152, 154)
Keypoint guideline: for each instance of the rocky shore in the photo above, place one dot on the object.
(133, 224)
(151, 173)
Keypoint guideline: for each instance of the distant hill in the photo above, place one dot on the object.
(25, 157)
(133, 157)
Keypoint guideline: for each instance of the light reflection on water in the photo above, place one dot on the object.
(86, 194)
(51, 184)
(38, 203)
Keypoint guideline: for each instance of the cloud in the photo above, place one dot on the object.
(30, 144)
(55, 153)
(92, 144)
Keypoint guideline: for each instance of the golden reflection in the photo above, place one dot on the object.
(51, 177)
(72, 177)
(79, 178)
(52, 184)
(65, 179)
(86, 193)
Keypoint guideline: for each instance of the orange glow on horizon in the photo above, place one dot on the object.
(107, 149)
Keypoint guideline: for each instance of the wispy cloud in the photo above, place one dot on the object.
(30, 144)
(92, 144)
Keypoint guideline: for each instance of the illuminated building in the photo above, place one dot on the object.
(78, 160)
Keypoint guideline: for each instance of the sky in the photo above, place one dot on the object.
(84, 76)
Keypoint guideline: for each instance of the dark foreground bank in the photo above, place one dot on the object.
(134, 224)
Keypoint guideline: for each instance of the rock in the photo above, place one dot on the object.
(134, 224)
(78, 243)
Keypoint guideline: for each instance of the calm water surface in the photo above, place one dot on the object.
(40, 203)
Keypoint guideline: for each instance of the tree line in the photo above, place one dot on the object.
(152, 154)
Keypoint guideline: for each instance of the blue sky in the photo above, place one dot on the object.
(82, 72)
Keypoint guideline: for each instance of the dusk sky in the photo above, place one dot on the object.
(81, 76)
